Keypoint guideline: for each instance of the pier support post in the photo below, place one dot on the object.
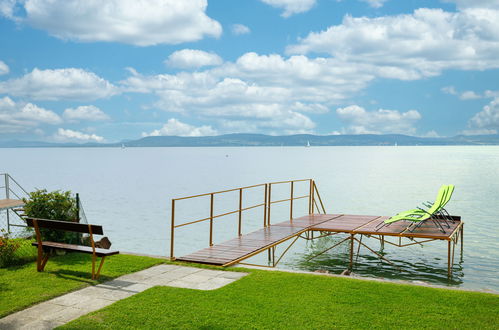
(462, 240)
(449, 267)
(351, 251)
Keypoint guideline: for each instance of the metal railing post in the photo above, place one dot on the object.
(313, 197)
(310, 198)
(172, 231)
(265, 205)
(240, 211)
(7, 188)
(211, 218)
(291, 202)
(269, 204)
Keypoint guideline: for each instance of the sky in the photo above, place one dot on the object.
(115, 70)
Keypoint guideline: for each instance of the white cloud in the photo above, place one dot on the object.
(175, 127)
(4, 68)
(86, 113)
(469, 95)
(381, 121)
(18, 117)
(59, 84)
(141, 23)
(375, 3)
(192, 58)
(238, 29)
(475, 3)
(412, 46)
(485, 121)
(449, 90)
(68, 135)
(291, 7)
(267, 93)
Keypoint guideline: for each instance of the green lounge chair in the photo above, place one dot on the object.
(419, 215)
(433, 208)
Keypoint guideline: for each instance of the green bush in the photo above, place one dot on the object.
(8, 248)
(56, 205)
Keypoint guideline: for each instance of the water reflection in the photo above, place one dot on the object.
(406, 265)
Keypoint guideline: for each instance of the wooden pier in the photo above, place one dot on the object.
(354, 227)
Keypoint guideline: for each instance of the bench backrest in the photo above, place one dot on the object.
(65, 225)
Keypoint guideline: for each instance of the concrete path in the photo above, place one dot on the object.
(60, 310)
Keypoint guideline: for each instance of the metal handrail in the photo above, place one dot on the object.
(267, 203)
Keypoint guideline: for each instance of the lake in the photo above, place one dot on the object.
(129, 192)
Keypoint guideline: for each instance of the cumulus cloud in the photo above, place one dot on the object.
(449, 90)
(485, 121)
(469, 95)
(412, 46)
(141, 23)
(59, 84)
(192, 58)
(4, 68)
(291, 7)
(16, 117)
(175, 127)
(266, 92)
(68, 135)
(381, 121)
(463, 4)
(375, 3)
(85, 113)
(238, 29)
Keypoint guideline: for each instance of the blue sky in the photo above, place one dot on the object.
(106, 71)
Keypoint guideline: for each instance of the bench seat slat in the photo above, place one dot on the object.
(77, 248)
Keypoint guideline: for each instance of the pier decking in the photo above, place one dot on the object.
(246, 246)
(10, 203)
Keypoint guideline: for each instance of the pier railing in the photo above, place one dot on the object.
(11, 187)
(266, 202)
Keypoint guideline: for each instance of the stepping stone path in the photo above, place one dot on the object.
(60, 310)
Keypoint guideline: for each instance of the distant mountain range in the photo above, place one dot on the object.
(255, 140)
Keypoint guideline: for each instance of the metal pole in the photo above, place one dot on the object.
(77, 207)
(313, 197)
(310, 198)
(462, 238)
(351, 251)
(269, 204)
(265, 206)
(448, 260)
(7, 188)
(172, 231)
(240, 210)
(211, 219)
(291, 202)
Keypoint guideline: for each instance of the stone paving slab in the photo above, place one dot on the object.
(60, 310)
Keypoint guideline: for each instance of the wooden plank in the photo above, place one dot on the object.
(10, 203)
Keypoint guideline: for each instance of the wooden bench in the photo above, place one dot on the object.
(44, 247)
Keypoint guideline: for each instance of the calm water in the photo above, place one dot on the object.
(129, 192)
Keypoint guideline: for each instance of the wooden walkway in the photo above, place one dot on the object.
(246, 246)
(10, 203)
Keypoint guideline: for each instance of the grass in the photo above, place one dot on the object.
(22, 286)
(268, 300)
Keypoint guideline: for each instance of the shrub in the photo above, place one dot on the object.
(56, 205)
(8, 248)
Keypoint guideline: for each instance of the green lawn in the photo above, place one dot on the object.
(22, 286)
(269, 300)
